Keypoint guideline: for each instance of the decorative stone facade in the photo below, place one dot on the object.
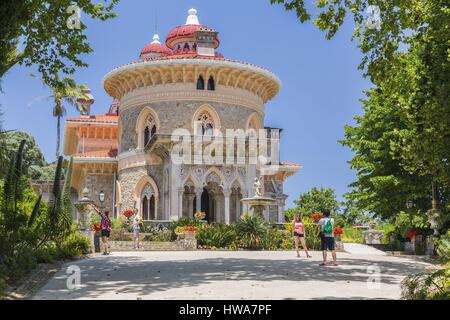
(184, 85)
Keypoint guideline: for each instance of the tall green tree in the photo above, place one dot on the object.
(66, 214)
(33, 158)
(48, 35)
(405, 47)
(67, 93)
(383, 186)
(315, 201)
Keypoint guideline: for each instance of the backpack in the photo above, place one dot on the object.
(328, 228)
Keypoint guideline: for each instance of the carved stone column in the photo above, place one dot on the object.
(180, 202)
(198, 199)
(190, 199)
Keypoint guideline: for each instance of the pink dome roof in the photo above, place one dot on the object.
(187, 31)
(156, 47)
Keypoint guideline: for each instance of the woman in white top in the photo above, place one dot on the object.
(136, 230)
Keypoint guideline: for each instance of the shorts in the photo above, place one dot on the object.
(136, 233)
(327, 243)
(301, 235)
(105, 233)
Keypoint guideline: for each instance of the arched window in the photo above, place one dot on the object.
(149, 130)
(146, 136)
(186, 47)
(152, 215)
(207, 123)
(145, 208)
(211, 84)
(200, 83)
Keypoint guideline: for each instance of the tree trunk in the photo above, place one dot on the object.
(58, 133)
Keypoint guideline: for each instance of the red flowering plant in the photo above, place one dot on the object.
(190, 229)
(338, 231)
(316, 216)
(411, 234)
(129, 213)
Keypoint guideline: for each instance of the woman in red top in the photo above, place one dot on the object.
(298, 230)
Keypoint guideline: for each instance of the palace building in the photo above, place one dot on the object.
(182, 83)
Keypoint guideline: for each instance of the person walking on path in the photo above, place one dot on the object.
(298, 230)
(106, 229)
(327, 237)
(136, 230)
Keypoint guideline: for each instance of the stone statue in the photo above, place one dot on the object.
(257, 186)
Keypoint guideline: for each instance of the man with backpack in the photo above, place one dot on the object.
(327, 236)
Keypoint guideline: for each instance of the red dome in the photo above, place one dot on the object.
(187, 31)
(156, 48)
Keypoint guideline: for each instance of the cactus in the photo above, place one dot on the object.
(66, 213)
(55, 201)
(35, 211)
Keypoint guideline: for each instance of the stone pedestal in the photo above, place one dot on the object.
(409, 247)
(429, 246)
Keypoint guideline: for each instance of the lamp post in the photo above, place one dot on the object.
(101, 198)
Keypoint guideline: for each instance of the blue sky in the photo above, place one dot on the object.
(320, 91)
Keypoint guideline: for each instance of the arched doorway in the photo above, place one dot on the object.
(206, 208)
(145, 208)
(213, 202)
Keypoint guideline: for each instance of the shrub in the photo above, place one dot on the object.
(404, 222)
(157, 235)
(120, 235)
(433, 285)
(352, 235)
(218, 235)
(312, 234)
(443, 247)
(73, 246)
(250, 231)
(273, 239)
(46, 253)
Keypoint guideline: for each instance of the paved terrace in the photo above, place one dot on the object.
(225, 275)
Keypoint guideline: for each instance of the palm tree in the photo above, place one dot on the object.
(71, 93)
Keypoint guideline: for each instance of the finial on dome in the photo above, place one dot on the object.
(156, 39)
(192, 17)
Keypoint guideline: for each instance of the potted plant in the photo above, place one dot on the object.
(189, 232)
(179, 231)
(337, 233)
